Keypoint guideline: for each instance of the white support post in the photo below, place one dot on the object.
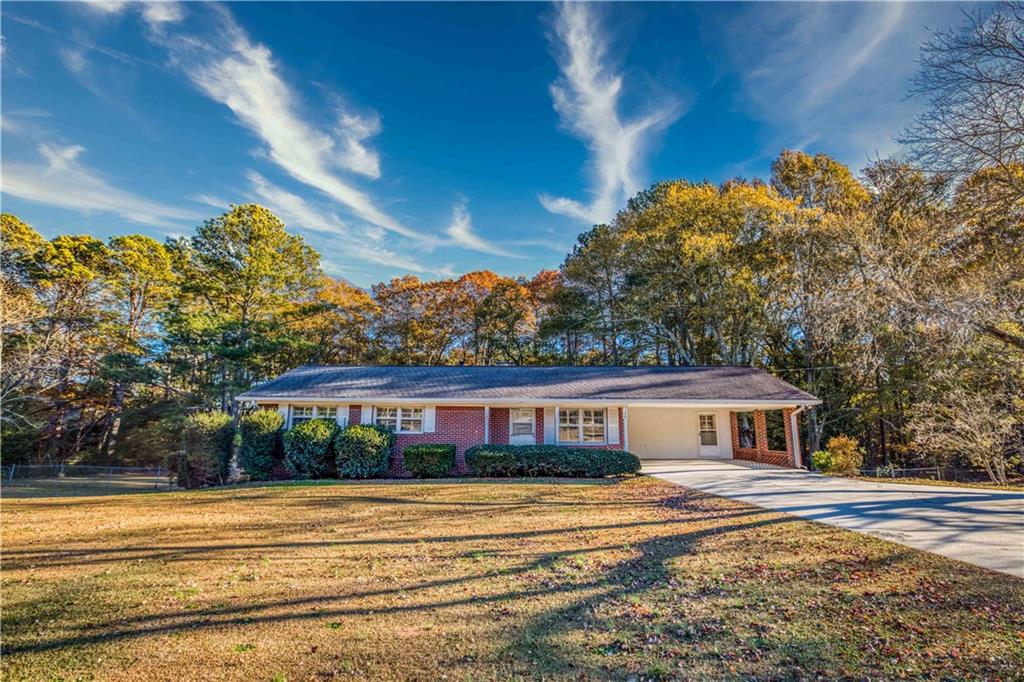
(794, 429)
(487, 424)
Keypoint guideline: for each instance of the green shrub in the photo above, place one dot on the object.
(206, 448)
(822, 460)
(549, 460)
(364, 451)
(307, 448)
(261, 442)
(845, 454)
(429, 461)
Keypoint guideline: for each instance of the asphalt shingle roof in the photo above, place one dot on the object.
(530, 383)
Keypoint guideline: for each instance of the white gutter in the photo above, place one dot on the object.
(532, 402)
(794, 428)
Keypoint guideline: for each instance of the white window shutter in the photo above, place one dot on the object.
(549, 425)
(366, 414)
(429, 419)
(613, 425)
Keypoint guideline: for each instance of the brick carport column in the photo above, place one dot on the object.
(787, 419)
(761, 435)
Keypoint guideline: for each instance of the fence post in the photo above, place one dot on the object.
(10, 478)
(156, 479)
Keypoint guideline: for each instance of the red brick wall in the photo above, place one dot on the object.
(761, 453)
(499, 426)
(462, 427)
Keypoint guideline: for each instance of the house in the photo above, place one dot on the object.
(653, 411)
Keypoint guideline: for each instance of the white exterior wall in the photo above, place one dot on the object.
(671, 433)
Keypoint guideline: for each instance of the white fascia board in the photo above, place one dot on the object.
(707, 404)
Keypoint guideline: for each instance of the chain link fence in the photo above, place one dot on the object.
(27, 480)
(952, 474)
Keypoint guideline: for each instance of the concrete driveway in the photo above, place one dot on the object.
(979, 526)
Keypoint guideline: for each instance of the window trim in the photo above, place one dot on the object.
(316, 413)
(399, 410)
(559, 411)
(512, 424)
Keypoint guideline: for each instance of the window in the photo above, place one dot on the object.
(745, 426)
(568, 426)
(522, 422)
(581, 426)
(301, 413)
(708, 430)
(400, 419)
(412, 419)
(386, 417)
(593, 426)
(775, 425)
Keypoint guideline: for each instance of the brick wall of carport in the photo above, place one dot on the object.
(761, 453)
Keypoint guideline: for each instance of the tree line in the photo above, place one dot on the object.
(896, 295)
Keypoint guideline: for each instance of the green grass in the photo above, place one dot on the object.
(481, 580)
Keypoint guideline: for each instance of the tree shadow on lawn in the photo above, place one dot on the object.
(619, 578)
(22, 559)
(539, 639)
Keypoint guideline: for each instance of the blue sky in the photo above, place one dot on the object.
(430, 138)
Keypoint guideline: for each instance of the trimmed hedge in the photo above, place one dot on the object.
(206, 449)
(363, 451)
(429, 461)
(261, 442)
(307, 448)
(549, 460)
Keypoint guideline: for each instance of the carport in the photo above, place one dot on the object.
(756, 432)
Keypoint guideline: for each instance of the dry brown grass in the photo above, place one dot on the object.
(481, 580)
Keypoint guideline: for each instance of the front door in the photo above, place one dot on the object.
(707, 425)
(522, 428)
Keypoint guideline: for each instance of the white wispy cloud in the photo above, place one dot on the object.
(367, 244)
(105, 7)
(828, 76)
(245, 77)
(461, 232)
(74, 60)
(352, 131)
(61, 179)
(157, 12)
(587, 98)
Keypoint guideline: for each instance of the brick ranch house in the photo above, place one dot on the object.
(654, 412)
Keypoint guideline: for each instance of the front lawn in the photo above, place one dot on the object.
(481, 580)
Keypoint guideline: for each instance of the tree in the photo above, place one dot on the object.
(973, 80)
(981, 427)
(69, 275)
(142, 284)
(336, 326)
(23, 356)
(699, 259)
(240, 275)
(825, 191)
(505, 323)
